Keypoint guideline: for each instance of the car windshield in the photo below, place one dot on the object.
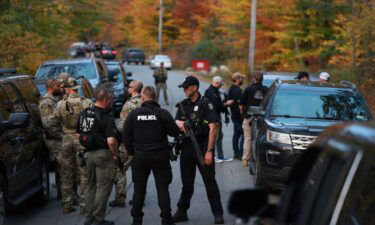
(86, 70)
(115, 69)
(342, 105)
(162, 57)
(268, 82)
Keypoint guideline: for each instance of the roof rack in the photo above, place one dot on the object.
(348, 84)
(8, 71)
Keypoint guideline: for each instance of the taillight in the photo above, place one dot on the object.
(114, 52)
(105, 51)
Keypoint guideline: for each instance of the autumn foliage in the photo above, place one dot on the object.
(314, 35)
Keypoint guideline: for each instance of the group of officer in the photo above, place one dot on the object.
(82, 136)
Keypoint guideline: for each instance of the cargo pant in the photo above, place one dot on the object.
(54, 148)
(101, 170)
(162, 86)
(247, 139)
(71, 173)
(120, 179)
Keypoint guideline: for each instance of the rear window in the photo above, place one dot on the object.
(162, 57)
(342, 106)
(86, 70)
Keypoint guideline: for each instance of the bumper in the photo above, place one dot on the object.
(276, 161)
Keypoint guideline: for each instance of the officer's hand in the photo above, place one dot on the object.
(208, 158)
(229, 102)
(181, 125)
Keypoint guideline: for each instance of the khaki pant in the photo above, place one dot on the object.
(71, 173)
(247, 139)
(162, 86)
(101, 170)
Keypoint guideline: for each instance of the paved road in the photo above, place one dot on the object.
(230, 176)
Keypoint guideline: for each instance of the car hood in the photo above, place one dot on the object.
(313, 126)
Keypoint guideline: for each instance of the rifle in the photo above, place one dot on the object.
(190, 133)
(226, 111)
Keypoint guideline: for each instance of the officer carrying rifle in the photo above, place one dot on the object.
(196, 116)
(145, 135)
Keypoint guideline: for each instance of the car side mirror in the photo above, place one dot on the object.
(16, 121)
(254, 111)
(129, 74)
(251, 203)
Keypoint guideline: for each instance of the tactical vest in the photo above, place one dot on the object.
(72, 107)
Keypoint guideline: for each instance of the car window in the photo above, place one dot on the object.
(86, 70)
(267, 98)
(14, 97)
(6, 106)
(115, 69)
(162, 57)
(342, 106)
(28, 89)
(359, 204)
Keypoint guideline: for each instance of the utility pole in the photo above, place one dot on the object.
(161, 9)
(253, 24)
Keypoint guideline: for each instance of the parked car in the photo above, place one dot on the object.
(133, 55)
(106, 53)
(23, 156)
(290, 118)
(333, 182)
(93, 69)
(270, 77)
(121, 81)
(157, 59)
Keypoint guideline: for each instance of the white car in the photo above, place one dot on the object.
(157, 59)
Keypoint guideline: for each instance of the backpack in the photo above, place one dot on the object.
(71, 112)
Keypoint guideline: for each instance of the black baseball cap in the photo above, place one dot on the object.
(189, 81)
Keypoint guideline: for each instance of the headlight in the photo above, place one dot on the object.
(283, 138)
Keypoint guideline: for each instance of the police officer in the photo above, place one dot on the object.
(67, 112)
(145, 137)
(252, 96)
(161, 76)
(52, 127)
(214, 96)
(101, 153)
(134, 90)
(203, 115)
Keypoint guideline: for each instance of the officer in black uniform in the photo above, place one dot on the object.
(202, 113)
(145, 136)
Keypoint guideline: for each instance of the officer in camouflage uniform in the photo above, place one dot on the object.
(47, 105)
(52, 127)
(135, 88)
(67, 111)
(161, 76)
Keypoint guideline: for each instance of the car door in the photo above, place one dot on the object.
(25, 145)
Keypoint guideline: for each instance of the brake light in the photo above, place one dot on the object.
(105, 51)
(114, 52)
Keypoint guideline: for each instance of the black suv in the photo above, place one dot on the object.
(134, 55)
(333, 182)
(92, 69)
(23, 156)
(291, 116)
(121, 81)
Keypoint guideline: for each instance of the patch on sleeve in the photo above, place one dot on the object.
(210, 106)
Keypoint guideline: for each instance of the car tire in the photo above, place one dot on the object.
(136, 63)
(42, 196)
(4, 205)
(143, 62)
(258, 181)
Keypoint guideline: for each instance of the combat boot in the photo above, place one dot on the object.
(68, 208)
(219, 220)
(82, 210)
(116, 203)
(180, 216)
